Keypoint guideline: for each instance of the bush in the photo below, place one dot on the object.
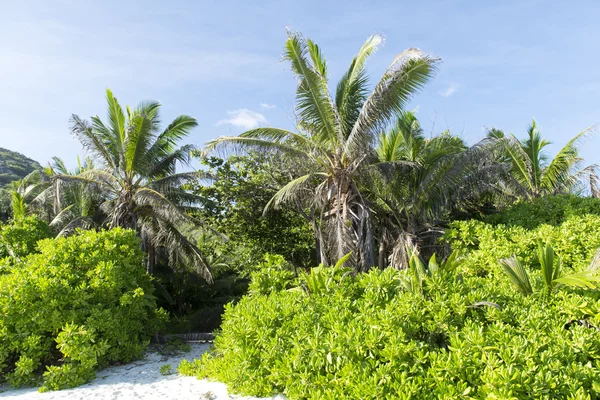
(19, 237)
(575, 241)
(272, 275)
(369, 337)
(83, 302)
(551, 210)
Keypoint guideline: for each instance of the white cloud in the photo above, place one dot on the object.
(243, 118)
(267, 106)
(450, 90)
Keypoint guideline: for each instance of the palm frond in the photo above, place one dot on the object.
(585, 279)
(513, 268)
(115, 133)
(239, 143)
(409, 72)
(352, 89)
(522, 163)
(82, 130)
(550, 269)
(313, 101)
(165, 234)
(139, 136)
(162, 207)
(164, 165)
(166, 142)
(291, 190)
(558, 173)
(175, 181)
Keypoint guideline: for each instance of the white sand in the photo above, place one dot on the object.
(138, 380)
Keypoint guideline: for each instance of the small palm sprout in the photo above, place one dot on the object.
(552, 272)
(418, 271)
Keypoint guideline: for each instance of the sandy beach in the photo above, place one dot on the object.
(137, 380)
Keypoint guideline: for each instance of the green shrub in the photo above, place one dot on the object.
(166, 369)
(575, 241)
(19, 237)
(272, 275)
(83, 302)
(369, 338)
(551, 210)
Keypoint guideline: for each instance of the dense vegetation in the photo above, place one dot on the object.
(357, 188)
(457, 329)
(76, 305)
(13, 166)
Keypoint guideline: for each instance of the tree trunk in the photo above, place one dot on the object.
(317, 236)
(151, 259)
(382, 249)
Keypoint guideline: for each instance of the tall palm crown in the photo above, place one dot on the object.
(534, 172)
(335, 139)
(438, 174)
(137, 175)
(76, 205)
(420, 189)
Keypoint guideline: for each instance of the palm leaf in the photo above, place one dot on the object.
(90, 141)
(409, 72)
(585, 279)
(352, 89)
(290, 190)
(313, 103)
(557, 174)
(238, 143)
(513, 268)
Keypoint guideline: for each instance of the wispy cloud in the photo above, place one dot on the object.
(243, 118)
(268, 106)
(450, 90)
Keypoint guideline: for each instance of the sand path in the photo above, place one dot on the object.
(137, 380)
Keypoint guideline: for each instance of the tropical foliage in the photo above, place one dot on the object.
(552, 273)
(13, 167)
(575, 240)
(550, 210)
(234, 204)
(19, 238)
(535, 174)
(369, 337)
(135, 178)
(335, 140)
(84, 300)
(439, 176)
(493, 249)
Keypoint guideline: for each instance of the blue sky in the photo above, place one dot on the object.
(503, 63)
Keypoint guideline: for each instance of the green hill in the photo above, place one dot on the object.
(14, 166)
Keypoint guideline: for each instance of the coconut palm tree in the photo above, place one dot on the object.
(335, 139)
(136, 173)
(440, 174)
(66, 207)
(535, 174)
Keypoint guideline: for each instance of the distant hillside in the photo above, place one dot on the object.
(14, 166)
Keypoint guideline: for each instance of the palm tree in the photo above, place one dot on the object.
(43, 194)
(136, 173)
(535, 175)
(439, 175)
(335, 140)
(81, 201)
